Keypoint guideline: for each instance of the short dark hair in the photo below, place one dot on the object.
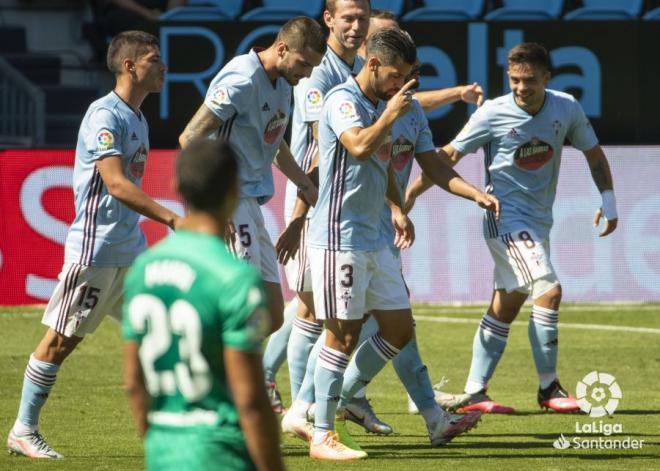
(206, 171)
(531, 54)
(390, 45)
(301, 33)
(128, 45)
(331, 5)
(382, 14)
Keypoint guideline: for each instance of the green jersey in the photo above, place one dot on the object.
(186, 299)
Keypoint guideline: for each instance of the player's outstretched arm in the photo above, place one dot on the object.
(130, 194)
(361, 143)
(260, 427)
(431, 100)
(138, 397)
(446, 177)
(202, 125)
(287, 164)
(602, 176)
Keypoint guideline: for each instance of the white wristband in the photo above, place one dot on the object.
(609, 205)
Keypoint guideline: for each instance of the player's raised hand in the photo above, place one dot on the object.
(610, 224)
(489, 202)
(473, 94)
(404, 230)
(400, 102)
(288, 242)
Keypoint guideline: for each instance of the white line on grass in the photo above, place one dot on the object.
(617, 328)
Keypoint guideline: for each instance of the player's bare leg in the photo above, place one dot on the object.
(275, 304)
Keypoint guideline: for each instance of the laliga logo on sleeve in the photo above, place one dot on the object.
(598, 394)
(313, 99)
(346, 110)
(220, 96)
(104, 140)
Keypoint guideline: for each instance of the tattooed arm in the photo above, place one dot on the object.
(602, 176)
(203, 124)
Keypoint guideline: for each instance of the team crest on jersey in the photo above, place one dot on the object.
(104, 140)
(220, 96)
(347, 110)
(138, 162)
(402, 152)
(533, 155)
(313, 100)
(275, 127)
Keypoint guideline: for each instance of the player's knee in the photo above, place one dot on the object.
(55, 347)
(551, 298)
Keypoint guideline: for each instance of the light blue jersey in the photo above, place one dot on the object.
(522, 156)
(351, 192)
(308, 100)
(410, 135)
(105, 232)
(255, 113)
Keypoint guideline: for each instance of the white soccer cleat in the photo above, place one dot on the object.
(297, 426)
(331, 449)
(452, 425)
(31, 445)
(359, 411)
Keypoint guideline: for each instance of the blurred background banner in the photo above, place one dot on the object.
(615, 85)
(449, 261)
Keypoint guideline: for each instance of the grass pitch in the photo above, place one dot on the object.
(87, 417)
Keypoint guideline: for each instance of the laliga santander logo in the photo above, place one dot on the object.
(561, 443)
(314, 97)
(598, 394)
(346, 109)
(104, 139)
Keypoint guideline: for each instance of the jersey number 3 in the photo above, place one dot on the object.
(191, 374)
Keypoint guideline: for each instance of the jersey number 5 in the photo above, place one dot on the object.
(191, 374)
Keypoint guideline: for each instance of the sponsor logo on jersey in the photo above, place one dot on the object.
(138, 160)
(275, 127)
(220, 96)
(134, 136)
(402, 152)
(347, 110)
(104, 140)
(533, 155)
(265, 107)
(313, 99)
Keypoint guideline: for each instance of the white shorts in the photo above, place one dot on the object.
(348, 284)
(83, 297)
(298, 273)
(522, 263)
(252, 242)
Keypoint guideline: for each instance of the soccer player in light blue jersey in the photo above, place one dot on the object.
(353, 269)
(522, 134)
(248, 104)
(105, 238)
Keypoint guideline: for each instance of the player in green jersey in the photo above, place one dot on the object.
(194, 322)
